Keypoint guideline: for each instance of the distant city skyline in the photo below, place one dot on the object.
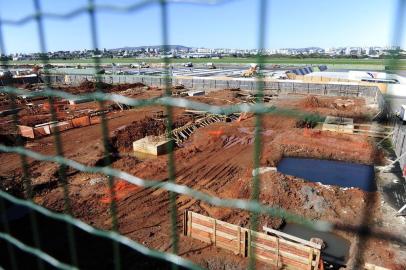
(179, 51)
(388, 47)
(234, 24)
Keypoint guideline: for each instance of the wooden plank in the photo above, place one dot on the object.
(284, 261)
(277, 253)
(249, 243)
(226, 246)
(369, 125)
(220, 241)
(206, 223)
(291, 237)
(369, 266)
(190, 223)
(239, 240)
(282, 253)
(310, 260)
(210, 230)
(372, 132)
(201, 238)
(226, 240)
(201, 235)
(227, 225)
(283, 244)
(227, 229)
(214, 231)
(199, 216)
(317, 260)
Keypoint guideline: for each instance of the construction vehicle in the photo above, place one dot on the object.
(210, 66)
(252, 71)
(145, 65)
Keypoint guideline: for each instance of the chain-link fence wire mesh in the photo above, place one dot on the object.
(253, 205)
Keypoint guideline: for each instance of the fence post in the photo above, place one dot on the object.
(310, 258)
(277, 253)
(239, 240)
(185, 223)
(189, 223)
(249, 244)
(214, 231)
(245, 244)
(317, 260)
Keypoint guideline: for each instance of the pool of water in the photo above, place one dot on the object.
(336, 251)
(330, 172)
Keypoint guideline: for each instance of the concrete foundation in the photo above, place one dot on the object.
(195, 93)
(339, 124)
(153, 145)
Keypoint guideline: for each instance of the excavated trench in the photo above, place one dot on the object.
(330, 172)
(336, 249)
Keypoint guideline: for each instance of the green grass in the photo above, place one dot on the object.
(230, 60)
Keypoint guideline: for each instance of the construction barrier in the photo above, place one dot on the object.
(269, 249)
(81, 121)
(213, 83)
(49, 128)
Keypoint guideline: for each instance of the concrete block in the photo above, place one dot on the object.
(62, 126)
(46, 127)
(195, 93)
(81, 121)
(79, 100)
(26, 131)
(40, 131)
(154, 145)
(339, 124)
(95, 120)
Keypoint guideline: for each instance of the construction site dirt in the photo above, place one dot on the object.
(216, 159)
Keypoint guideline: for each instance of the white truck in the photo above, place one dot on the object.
(210, 66)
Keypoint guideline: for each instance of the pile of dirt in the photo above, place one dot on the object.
(179, 87)
(123, 137)
(122, 87)
(314, 102)
(328, 102)
(32, 120)
(353, 107)
(89, 86)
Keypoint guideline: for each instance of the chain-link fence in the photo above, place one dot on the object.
(121, 246)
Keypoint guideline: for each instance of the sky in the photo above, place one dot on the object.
(232, 24)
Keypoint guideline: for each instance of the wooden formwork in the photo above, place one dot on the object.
(220, 233)
(272, 250)
(182, 133)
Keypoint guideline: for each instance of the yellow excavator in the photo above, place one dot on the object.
(252, 71)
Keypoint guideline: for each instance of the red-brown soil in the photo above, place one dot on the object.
(217, 160)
